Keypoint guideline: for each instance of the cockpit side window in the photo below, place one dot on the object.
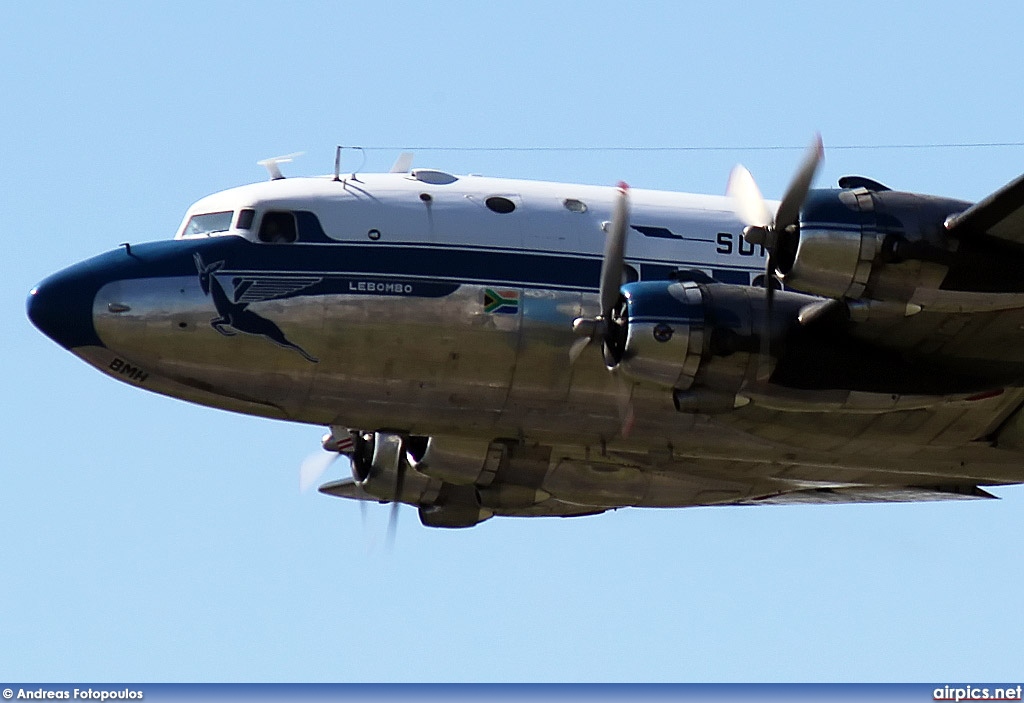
(245, 218)
(208, 224)
(278, 227)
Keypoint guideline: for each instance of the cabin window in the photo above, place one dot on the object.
(278, 227)
(574, 205)
(500, 205)
(208, 224)
(245, 218)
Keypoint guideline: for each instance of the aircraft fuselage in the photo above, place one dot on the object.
(429, 305)
(401, 304)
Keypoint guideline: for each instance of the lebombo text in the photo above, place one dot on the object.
(82, 694)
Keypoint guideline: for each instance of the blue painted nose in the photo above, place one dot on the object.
(61, 307)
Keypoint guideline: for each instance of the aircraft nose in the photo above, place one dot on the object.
(61, 307)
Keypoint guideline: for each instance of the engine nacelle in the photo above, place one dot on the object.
(460, 461)
(376, 463)
(665, 332)
(702, 340)
(887, 245)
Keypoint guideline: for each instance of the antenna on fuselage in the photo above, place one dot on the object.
(337, 162)
(403, 163)
(271, 164)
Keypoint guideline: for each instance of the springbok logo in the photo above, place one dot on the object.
(236, 315)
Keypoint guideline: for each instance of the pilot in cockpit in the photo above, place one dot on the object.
(277, 228)
(272, 232)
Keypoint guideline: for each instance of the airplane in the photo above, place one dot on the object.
(482, 347)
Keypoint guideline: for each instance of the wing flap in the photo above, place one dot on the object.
(872, 494)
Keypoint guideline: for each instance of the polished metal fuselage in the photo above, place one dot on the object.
(417, 309)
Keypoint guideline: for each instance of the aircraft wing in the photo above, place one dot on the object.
(581, 497)
(999, 215)
(872, 494)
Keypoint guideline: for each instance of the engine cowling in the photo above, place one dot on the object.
(378, 460)
(664, 334)
(701, 340)
(460, 461)
(879, 244)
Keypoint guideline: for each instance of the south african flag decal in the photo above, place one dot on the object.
(501, 302)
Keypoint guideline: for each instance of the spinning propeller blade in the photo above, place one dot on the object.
(614, 252)
(396, 504)
(748, 202)
(603, 327)
(788, 214)
(313, 467)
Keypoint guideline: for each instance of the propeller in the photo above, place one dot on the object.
(761, 227)
(599, 328)
(396, 504)
(315, 465)
(348, 444)
(367, 445)
(772, 232)
(603, 328)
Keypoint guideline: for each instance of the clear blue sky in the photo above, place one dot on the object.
(142, 538)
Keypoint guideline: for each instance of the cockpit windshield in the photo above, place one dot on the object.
(208, 224)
